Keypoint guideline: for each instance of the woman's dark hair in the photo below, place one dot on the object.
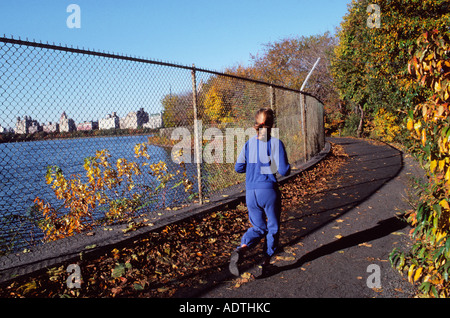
(268, 119)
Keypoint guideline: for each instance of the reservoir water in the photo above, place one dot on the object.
(23, 167)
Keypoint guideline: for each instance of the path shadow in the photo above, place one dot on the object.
(356, 182)
(383, 228)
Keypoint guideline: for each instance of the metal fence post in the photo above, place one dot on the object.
(273, 101)
(304, 125)
(197, 133)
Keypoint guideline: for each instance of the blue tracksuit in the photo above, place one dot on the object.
(260, 161)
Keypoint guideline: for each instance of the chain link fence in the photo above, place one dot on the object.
(61, 105)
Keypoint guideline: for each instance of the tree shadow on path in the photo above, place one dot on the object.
(370, 167)
(384, 228)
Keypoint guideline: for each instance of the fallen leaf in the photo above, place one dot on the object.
(338, 236)
(118, 271)
(28, 287)
(377, 290)
(162, 289)
(285, 258)
(116, 290)
(246, 275)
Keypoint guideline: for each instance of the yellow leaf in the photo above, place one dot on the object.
(162, 289)
(437, 86)
(433, 165)
(444, 204)
(440, 111)
(424, 137)
(410, 124)
(247, 275)
(447, 174)
(440, 235)
(417, 274)
(425, 112)
(410, 272)
(28, 287)
(417, 127)
(441, 165)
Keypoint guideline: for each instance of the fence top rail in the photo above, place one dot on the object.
(143, 60)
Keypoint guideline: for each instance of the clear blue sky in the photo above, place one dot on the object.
(212, 34)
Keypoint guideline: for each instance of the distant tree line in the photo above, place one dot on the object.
(42, 135)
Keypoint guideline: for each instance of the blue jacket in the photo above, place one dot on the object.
(261, 169)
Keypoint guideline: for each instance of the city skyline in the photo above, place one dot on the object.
(27, 125)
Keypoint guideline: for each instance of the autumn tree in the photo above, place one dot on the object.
(428, 261)
(288, 61)
(370, 64)
(215, 100)
(177, 110)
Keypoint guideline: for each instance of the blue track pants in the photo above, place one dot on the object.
(264, 208)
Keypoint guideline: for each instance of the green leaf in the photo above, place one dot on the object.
(393, 257)
(447, 246)
(420, 212)
(138, 287)
(421, 252)
(177, 184)
(118, 271)
(425, 287)
(434, 291)
(402, 261)
(437, 208)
